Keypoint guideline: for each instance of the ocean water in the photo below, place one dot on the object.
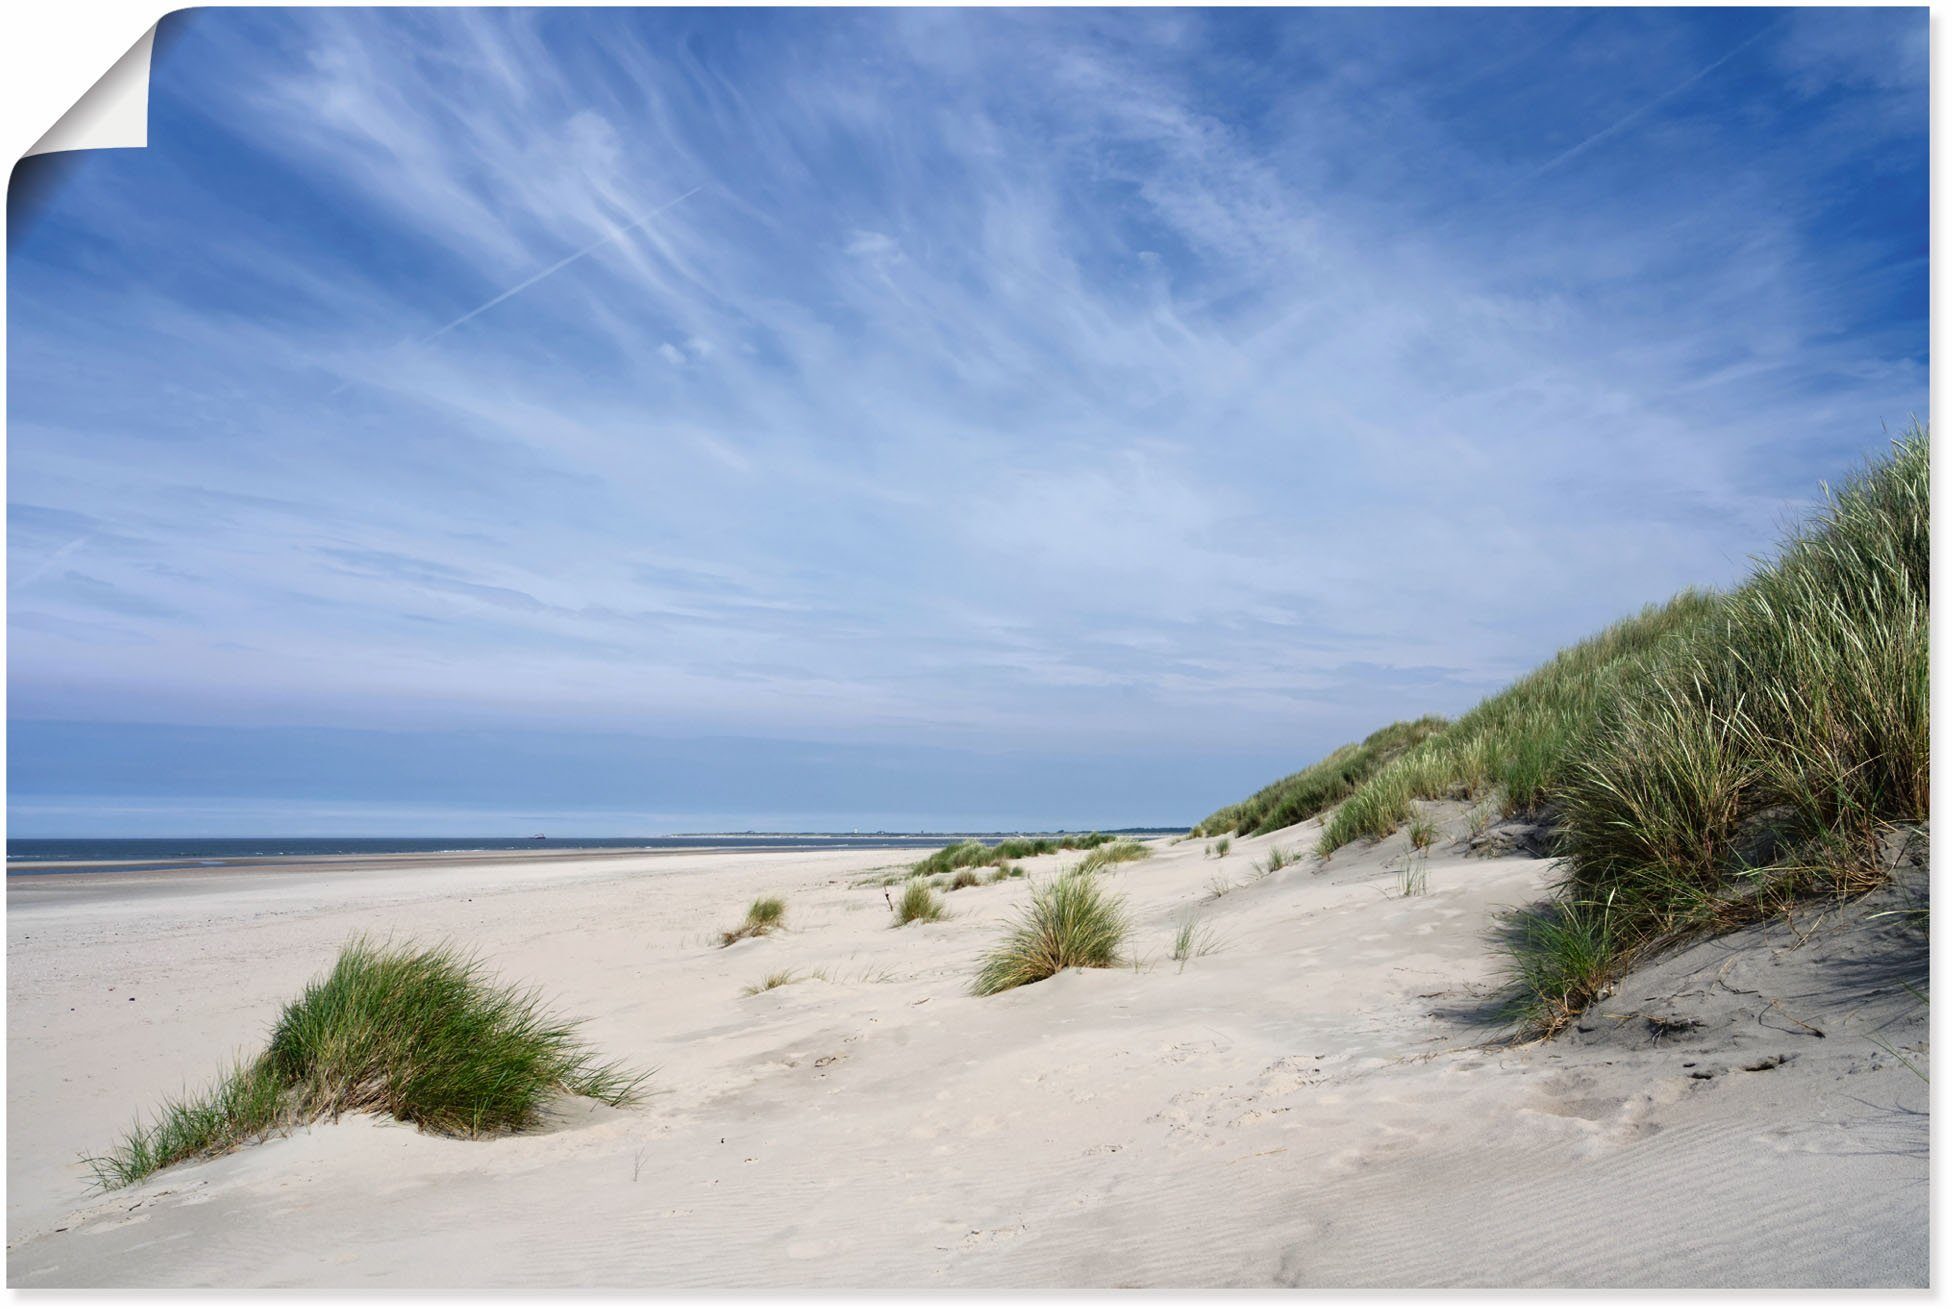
(158, 853)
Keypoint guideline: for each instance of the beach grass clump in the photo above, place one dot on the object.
(424, 1035)
(1561, 956)
(1278, 857)
(964, 878)
(1223, 847)
(1069, 923)
(1114, 852)
(1414, 877)
(762, 916)
(1192, 940)
(1322, 785)
(918, 904)
(1422, 832)
(772, 982)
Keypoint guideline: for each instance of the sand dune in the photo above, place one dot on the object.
(1319, 1102)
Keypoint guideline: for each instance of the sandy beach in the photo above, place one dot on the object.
(1320, 1101)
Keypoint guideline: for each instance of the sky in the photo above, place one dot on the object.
(631, 421)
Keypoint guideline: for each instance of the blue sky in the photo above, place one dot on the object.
(629, 421)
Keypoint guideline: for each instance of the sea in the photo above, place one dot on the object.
(157, 854)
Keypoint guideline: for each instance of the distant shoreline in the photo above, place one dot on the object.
(31, 857)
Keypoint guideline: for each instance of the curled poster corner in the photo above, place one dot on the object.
(114, 113)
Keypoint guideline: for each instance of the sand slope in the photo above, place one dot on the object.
(1317, 1103)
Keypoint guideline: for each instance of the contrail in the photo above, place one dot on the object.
(550, 271)
(1629, 119)
(54, 557)
(556, 267)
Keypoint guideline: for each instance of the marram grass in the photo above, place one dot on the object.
(424, 1035)
(1761, 758)
(1116, 852)
(771, 982)
(974, 854)
(1193, 939)
(1300, 796)
(1069, 923)
(762, 916)
(1704, 762)
(1517, 745)
(918, 904)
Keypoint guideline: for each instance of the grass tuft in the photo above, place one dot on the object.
(764, 914)
(1192, 940)
(1071, 923)
(1414, 877)
(426, 1036)
(772, 982)
(1278, 857)
(918, 904)
(1117, 852)
(1562, 956)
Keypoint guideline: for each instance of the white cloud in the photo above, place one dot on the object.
(1064, 375)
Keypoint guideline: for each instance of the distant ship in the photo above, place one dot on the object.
(538, 837)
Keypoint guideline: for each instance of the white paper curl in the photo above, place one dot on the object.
(113, 114)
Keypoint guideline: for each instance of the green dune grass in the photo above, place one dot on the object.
(975, 854)
(918, 904)
(426, 1036)
(1702, 762)
(1115, 852)
(1069, 923)
(1327, 782)
(762, 916)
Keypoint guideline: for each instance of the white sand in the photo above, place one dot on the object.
(1312, 1104)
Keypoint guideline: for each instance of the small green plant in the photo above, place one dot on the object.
(1216, 887)
(1422, 832)
(918, 904)
(1071, 923)
(772, 982)
(1278, 857)
(1192, 940)
(1006, 873)
(426, 1036)
(765, 914)
(1414, 877)
(1223, 846)
(1563, 954)
(965, 878)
